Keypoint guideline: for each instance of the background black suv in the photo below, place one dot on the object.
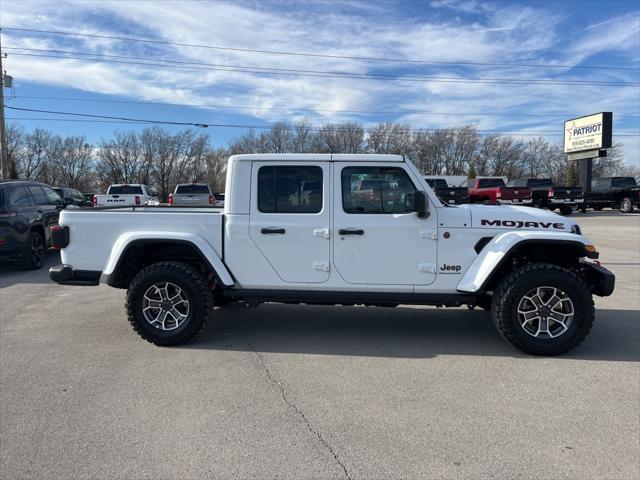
(27, 209)
(71, 196)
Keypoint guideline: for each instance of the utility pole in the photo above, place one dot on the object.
(4, 154)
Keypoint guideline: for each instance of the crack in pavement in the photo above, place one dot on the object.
(292, 405)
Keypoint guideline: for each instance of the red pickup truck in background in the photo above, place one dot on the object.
(494, 190)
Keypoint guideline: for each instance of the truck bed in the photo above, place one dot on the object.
(95, 231)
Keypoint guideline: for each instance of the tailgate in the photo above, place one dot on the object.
(516, 193)
(191, 199)
(566, 193)
(114, 200)
(452, 194)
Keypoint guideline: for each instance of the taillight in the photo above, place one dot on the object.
(137, 200)
(7, 213)
(59, 236)
(211, 199)
(95, 200)
(551, 193)
(499, 193)
(171, 199)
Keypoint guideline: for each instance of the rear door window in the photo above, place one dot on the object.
(19, 197)
(289, 189)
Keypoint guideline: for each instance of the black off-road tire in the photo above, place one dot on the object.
(626, 205)
(34, 252)
(191, 281)
(518, 283)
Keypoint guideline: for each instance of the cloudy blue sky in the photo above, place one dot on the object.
(543, 45)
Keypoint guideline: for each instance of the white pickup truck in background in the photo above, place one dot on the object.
(192, 195)
(337, 229)
(124, 195)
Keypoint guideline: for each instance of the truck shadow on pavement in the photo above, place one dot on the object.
(11, 273)
(402, 332)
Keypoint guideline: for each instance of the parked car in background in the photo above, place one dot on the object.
(546, 195)
(71, 196)
(613, 192)
(494, 190)
(27, 210)
(447, 194)
(192, 195)
(124, 195)
(219, 202)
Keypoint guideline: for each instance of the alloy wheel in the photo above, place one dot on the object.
(165, 306)
(545, 312)
(37, 250)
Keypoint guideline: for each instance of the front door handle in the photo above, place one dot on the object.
(267, 231)
(351, 231)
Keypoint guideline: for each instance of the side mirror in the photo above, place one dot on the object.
(417, 202)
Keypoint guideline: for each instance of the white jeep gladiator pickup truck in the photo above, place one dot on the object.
(337, 229)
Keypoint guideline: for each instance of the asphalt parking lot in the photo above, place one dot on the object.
(316, 392)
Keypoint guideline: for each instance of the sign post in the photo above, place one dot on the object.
(586, 138)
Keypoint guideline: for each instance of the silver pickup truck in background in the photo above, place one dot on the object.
(192, 195)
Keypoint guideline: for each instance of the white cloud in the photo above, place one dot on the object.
(494, 34)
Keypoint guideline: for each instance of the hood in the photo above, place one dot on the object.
(507, 217)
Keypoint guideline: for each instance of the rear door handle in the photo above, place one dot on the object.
(351, 231)
(267, 231)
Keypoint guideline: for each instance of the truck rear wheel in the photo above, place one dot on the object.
(168, 303)
(543, 309)
(626, 206)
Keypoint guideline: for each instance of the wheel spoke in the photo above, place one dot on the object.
(545, 312)
(165, 305)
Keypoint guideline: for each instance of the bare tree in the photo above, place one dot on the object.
(38, 151)
(15, 144)
(74, 162)
(347, 137)
(279, 138)
(120, 160)
(216, 168)
(393, 138)
(303, 137)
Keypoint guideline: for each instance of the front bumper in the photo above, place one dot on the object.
(67, 275)
(602, 281)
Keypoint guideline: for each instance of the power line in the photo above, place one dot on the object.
(162, 122)
(329, 110)
(345, 75)
(228, 125)
(314, 55)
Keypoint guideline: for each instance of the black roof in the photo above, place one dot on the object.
(18, 182)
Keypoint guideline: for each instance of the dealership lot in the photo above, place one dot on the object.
(316, 392)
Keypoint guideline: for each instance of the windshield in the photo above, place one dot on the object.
(125, 190)
(190, 189)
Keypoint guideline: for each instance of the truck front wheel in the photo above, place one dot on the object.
(168, 303)
(543, 309)
(626, 206)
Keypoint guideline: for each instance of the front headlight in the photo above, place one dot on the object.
(576, 229)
